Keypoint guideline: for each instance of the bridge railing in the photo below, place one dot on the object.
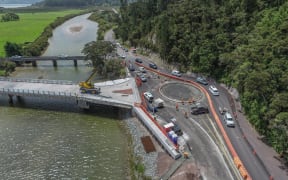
(35, 93)
(44, 81)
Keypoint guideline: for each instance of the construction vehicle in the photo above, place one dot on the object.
(88, 87)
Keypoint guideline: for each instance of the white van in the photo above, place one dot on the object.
(214, 90)
(228, 119)
(148, 96)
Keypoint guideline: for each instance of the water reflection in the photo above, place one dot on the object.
(70, 37)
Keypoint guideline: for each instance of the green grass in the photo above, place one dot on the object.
(29, 27)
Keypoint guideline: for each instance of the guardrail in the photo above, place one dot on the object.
(36, 93)
(44, 81)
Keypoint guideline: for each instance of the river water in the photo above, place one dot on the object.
(54, 139)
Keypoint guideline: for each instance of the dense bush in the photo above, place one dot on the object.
(241, 43)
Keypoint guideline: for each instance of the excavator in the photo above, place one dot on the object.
(88, 87)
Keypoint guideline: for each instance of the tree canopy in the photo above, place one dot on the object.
(240, 43)
(100, 53)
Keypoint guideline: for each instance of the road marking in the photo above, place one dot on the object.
(217, 148)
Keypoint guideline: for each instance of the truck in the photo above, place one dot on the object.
(159, 103)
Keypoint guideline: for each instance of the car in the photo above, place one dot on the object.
(173, 119)
(228, 119)
(201, 80)
(199, 109)
(177, 130)
(123, 56)
(176, 73)
(138, 60)
(138, 73)
(143, 78)
(153, 65)
(142, 69)
(63, 56)
(131, 67)
(16, 56)
(148, 96)
(214, 91)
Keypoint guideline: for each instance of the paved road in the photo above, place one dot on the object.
(246, 154)
(205, 152)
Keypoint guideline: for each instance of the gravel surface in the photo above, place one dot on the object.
(137, 130)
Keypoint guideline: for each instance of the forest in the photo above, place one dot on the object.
(242, 43)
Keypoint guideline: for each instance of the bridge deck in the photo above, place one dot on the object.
(120, 93)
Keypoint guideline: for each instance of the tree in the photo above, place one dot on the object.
(12, 49)
(97, 52)
(10, 17)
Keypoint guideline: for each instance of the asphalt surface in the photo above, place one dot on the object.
(214, 162)
(203, 151)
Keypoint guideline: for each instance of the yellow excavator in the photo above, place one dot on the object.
(88, 87)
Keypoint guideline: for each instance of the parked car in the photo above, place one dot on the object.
(176, 73)
(228, 119)
(214, 90)
(201, 80)
(143, 78)
(199, 109)
(142, 69)
(138, 60)
(131, 67)
(177, 130)
(148, 96)
(153, 65)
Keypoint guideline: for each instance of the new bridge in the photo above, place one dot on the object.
(119, 93)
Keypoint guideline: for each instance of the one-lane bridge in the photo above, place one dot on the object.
(34, 59)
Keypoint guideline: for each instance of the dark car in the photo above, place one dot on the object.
(152, 65)
(131, 67)
(202, 80)
(177, 130)
(138, 60)
(199, 109)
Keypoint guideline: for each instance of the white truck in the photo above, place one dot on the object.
(159, 103)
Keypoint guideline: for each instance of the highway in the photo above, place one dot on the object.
(201, 130)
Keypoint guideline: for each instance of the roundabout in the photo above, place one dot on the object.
(180, 92)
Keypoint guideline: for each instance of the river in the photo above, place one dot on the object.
(48, 139)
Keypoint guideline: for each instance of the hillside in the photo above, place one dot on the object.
(240, 43)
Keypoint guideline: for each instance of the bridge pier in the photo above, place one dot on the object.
(75, 62)
(55, 63)
(83, 104)
(10, 98)
(34, 63)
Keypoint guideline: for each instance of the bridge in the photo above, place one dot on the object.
(34, 59)
(119, 93)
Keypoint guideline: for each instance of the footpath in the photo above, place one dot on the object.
(266, 154)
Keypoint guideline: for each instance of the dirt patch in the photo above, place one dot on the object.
(75, 29)
(124, 91)
(148, 144)
(164, 161)
(187, 171)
